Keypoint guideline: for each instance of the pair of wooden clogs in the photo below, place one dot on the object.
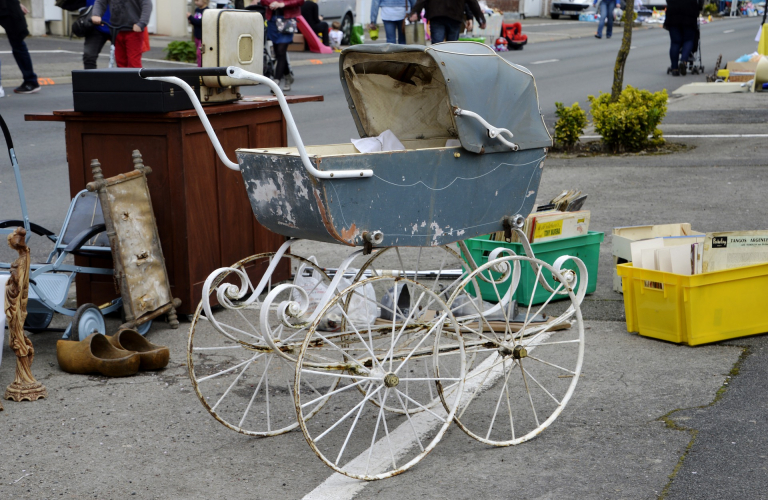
(119, 355)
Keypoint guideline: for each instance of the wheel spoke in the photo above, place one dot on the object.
(229, 369)
(528, 390)
(408, 416)
(336, 375)
(336, 391)
(509, 409)
(498, 402)
(373, 438)
(538, 311)
(382, 404)
(552, 365)
(442, 419)
(367, 397)
(237, 379)
(201, 349)
(542, 387)
(352, 428)
(430, 379)
(236, 330)
(328, 342)
(481, 385)
(362, 341)
(390, 354)
(574, 341)
(255, 392)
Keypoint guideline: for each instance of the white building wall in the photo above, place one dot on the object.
(167, 18)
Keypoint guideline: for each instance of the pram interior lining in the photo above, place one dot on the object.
(329, 150)
(404, 92)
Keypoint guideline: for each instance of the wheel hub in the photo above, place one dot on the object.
(517, 352)
(391, 380)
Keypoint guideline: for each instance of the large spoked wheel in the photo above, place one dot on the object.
(240, 379)
(401, 362)
(440, 269)
(527, 365)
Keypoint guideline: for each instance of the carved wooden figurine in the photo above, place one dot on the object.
(24, 386)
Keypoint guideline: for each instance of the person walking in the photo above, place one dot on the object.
(196, 20)
(681, 22)
(393, 14)
(15, 25)
(129, 42)
(281, 25)
(446, 17)
(311, 13)
(606, 9)
(95, 40)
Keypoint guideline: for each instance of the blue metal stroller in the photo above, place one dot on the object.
(83, 233)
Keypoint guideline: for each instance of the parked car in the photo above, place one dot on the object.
(339, 10)
(569, 8)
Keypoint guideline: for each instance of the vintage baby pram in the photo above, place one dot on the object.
(377, 367)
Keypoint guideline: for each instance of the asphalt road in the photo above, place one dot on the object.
(644, 421)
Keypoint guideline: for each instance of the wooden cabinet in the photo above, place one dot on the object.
(203, 214)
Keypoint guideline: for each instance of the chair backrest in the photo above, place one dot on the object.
(84, 212)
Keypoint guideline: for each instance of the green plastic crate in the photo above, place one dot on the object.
(586, 248)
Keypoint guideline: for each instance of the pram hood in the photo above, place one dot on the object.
(413, 89)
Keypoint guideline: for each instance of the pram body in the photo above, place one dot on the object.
(430, 194)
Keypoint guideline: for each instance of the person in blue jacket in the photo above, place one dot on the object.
(393, 13)
(95, 40)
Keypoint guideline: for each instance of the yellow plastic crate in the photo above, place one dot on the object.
(697, 309)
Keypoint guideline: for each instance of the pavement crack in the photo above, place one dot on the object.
(670, 423)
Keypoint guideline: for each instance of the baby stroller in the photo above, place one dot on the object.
(83, 233)
(408, 342)
(694, 64)
(514, 34)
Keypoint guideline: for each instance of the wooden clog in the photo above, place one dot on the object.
(95, 354)
(153, 357)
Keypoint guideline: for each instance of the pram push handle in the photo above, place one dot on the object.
(237, 73)
(182, 72)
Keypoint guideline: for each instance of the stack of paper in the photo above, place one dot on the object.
(678, 255)
(734, 249)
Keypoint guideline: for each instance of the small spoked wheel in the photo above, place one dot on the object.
(527, 362)
(87, 320)
(237, 375)
(398, 358)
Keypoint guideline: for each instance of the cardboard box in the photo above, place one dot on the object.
(624, 236)
(546, 226)
(741, 72)
(298, 43)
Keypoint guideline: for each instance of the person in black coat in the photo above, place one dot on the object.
(682, 23)
(15, 25)
(311, 13)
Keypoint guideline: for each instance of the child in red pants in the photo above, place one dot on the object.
(132, 16)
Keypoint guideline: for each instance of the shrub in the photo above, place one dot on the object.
(626, 125)
(710, 9)
(624, 16)
(570, 124)
(183, 51)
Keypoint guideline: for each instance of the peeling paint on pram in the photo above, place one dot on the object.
(422, 197)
